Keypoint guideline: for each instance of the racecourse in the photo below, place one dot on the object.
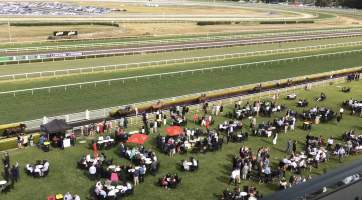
(185, 46)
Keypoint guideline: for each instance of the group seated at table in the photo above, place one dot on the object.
(354, 105)
(294, 163)
(112, 190)
(138, 155)
(178, 115)
(315, 150)
(169, 181)
(144, 160)
(190, 165)
(243, 112)
(194, 140)
(178, 120)
(233, 128)
(302, 103)
(291, 96)
(353, 142)
(87, 161)
(39, 169)
(230, 126)
(317, 114)
(179, 110)
(120, 135)
(265, 108)
(321, 97)
(104, 142)
(346, 89)
(249, 193)
(267, 129)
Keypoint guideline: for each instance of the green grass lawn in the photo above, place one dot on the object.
(82, 63)
(76, 99)
(215, 167)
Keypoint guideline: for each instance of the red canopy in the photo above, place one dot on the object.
(174, 130)
(138, 138)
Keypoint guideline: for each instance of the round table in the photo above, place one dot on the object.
(111, 167)
(111, 187)
(243, 194)
(39, 166)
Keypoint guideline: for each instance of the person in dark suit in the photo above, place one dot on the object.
(14, 173)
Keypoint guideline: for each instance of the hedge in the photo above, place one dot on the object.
(205, 23)
(288, 22)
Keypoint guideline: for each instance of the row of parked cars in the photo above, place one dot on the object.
(49, 8)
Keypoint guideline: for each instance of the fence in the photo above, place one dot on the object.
(123, 79)
(103, 113)
(127, 66)
(171, 40)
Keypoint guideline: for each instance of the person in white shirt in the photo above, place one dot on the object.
(330, 143)
(186, 165)
(37, 171)
(45, 167)
(88, 158)
(235, 176)
(68, 196)
(112, 193)
(341, 110)
(29, 168)
(93, 171)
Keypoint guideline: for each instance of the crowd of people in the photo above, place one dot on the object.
(318, 114)
(120, 180)
(355, 106)
(353, 141)
(249, 193)
(195, 140)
